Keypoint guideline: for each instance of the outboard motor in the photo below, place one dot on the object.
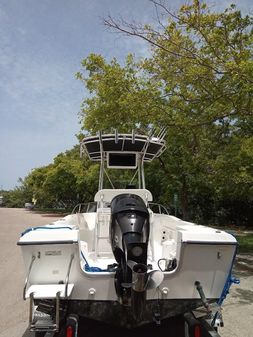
(129, 240)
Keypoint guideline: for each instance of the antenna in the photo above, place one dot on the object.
(162, 133)
(100, 141)
(116, 136)
(151, 133)
(133, 136)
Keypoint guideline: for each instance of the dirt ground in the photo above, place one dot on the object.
(237, 310)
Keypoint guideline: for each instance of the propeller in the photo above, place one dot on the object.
(131, 264)
(153, 278)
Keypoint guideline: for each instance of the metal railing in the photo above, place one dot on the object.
(158, 208)
(85, 207)
(92, 207)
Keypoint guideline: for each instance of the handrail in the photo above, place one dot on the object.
(57, 311)
(160, 207)
(78, 206)
(83, 207)
(28, 275)
(67, 276)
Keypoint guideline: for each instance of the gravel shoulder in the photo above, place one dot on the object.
(237, 308)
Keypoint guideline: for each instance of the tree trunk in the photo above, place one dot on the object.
(184, 199)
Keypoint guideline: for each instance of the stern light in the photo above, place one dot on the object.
(69, 331)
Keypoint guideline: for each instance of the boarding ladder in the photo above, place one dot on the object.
(102, 239)
(49, 295)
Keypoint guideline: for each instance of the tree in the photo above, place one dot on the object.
(119, 96)
(197, 82)
(65, 182)
(18, 196)
(202, 61)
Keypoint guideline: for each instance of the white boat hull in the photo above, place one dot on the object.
(93, 294)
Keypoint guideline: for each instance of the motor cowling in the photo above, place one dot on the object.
(129, 228)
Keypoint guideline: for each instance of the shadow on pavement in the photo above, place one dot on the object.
(92, 328)
(243, 265)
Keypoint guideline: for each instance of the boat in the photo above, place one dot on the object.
(122, 259)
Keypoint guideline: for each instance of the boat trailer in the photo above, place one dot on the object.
(187, 325)
(51, 318)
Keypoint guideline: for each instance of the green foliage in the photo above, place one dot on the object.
(198, 83)
(18, 196)
(120, 96)
(245, 243)
(64, 183)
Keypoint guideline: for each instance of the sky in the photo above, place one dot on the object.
(42, 44)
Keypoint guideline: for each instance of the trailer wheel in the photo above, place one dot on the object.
(192, 326)
(193, 330)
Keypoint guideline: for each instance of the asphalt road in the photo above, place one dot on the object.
(13, 310)
(237, 310)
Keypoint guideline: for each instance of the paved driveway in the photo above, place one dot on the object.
(13, 310)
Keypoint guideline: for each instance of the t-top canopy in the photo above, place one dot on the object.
(148, 147)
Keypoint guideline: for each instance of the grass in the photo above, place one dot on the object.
(245, 243)
(52, 211)
(244, 239)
